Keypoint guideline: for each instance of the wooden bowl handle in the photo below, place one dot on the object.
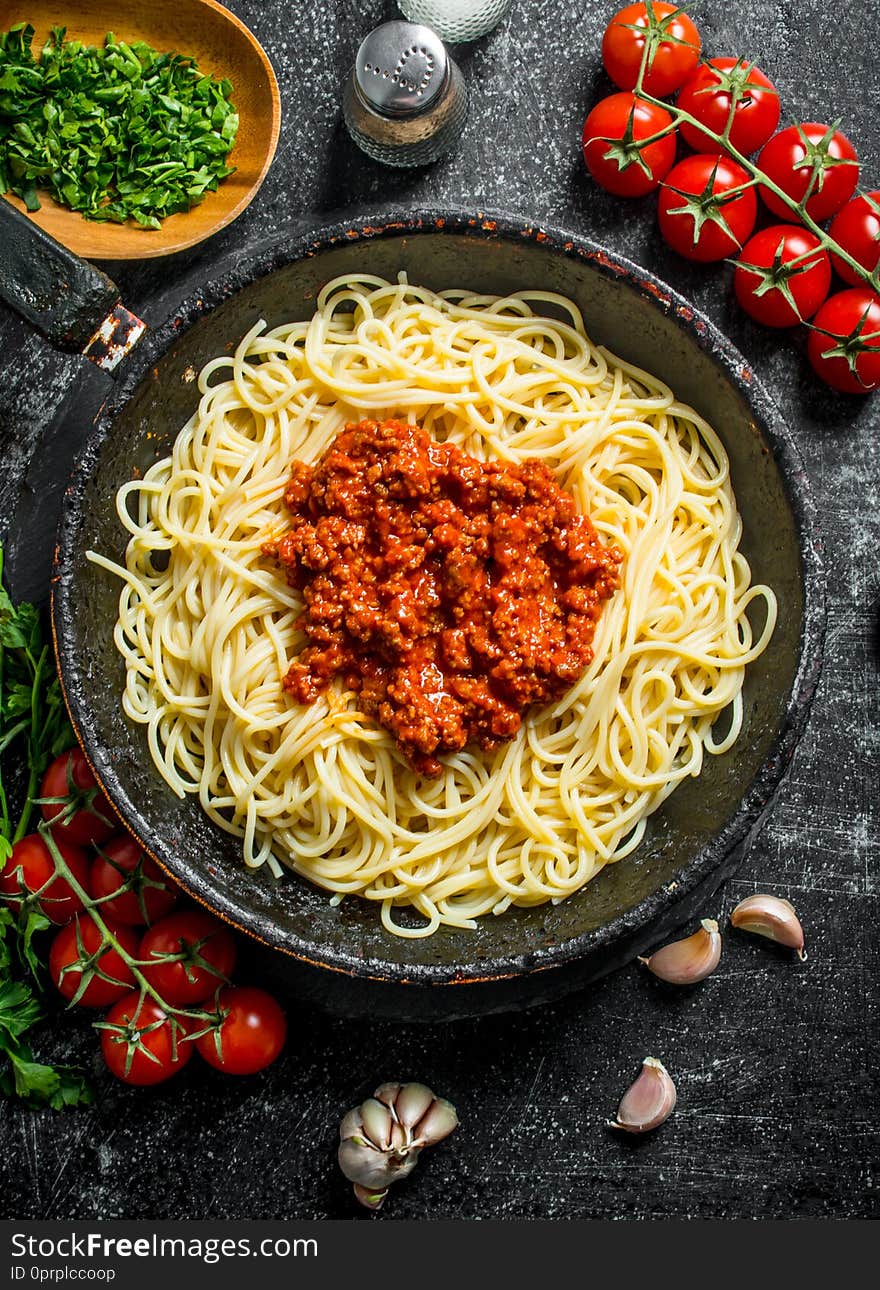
(70, 302)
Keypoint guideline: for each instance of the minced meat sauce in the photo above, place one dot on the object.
(450, 594)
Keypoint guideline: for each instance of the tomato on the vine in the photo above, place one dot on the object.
(81, 941)
(134, 1024)
(857, 229)
(79, 813)
(206, 950)
(674, 47)
(782, 276)
(31, 867)
(611, 136)
(251, 1035)
(704, 211)
(844, 345)
(709, 94)
(810, 157)
(120, 861)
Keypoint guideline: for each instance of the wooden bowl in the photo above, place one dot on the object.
(222, 45)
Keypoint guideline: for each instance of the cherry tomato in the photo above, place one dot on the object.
(857, 229)
(201, 939)
(153, 893)
(610, 120)
(31, 866)
(691, 224)
(853, 320)
(143, 1022)
(673, 59)
(773, 249)
(789, 158)
(708, 96)
(252, 1034)
(85, 817)
(65, 950)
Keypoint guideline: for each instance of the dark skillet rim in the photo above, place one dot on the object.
(716, 856)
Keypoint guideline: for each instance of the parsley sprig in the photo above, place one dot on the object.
(32, 712)
(33, 730)
(118, 133)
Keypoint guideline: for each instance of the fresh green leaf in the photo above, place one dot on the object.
(34, 1080)
(33, 729)
(35, 922)
(19, 1010)
(73, 1089)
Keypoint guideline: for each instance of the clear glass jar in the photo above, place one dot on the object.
(405, 101)
(456, 20)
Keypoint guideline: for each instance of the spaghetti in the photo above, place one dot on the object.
(208, 624)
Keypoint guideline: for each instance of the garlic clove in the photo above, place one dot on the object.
(411, 1103)
(351, 1124)
(648, 1101)
(370, 1199)
(387, 1093)
(377, 1122)
(375, 1170)
(690, 960)
(400, 1137)
(437, 1124)
(773, 917)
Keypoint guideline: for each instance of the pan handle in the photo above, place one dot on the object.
(70, 302)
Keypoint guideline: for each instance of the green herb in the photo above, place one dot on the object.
(33, 720)
(34, 1082)
(33, 730)
(118, 133)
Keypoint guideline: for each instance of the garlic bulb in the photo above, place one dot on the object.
(688, 961)
(648, 1101)
(381, 1139)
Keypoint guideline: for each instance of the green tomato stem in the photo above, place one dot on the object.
(871, 279)
(89, 907)
(34, 769)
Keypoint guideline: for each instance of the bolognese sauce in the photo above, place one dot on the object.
(450, 594)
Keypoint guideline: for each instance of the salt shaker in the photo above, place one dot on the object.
(456, 20)
(405, 102)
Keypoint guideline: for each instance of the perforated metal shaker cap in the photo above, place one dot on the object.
(401, 69)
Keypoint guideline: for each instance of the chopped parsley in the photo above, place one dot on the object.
(118, 133)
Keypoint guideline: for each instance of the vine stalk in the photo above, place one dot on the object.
(758, 176)
(110, 941)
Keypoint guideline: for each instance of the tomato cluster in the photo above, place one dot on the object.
(163, 972)
(708, 206)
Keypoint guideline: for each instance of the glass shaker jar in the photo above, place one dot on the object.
(456, 20)
(405, 102)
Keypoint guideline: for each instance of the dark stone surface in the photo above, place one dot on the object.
(775, 1062)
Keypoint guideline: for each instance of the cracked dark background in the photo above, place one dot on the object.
(776, 1063)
